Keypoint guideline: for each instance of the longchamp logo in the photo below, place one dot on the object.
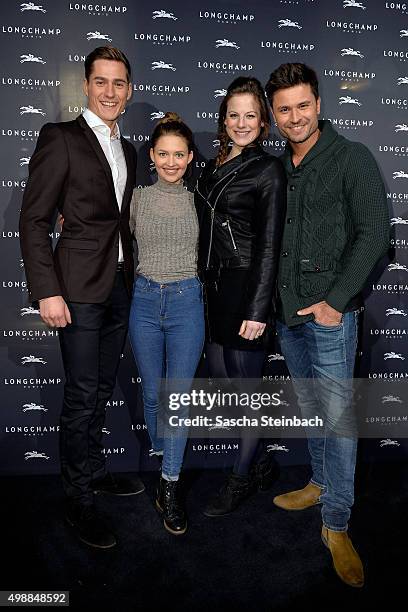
(215, 449)
(220, 93)
(398, 221)
(32, 383)
(30, 334)
(216, 143)
(353, 4)
(395, 311)
(113, 451)
(30, 31)
(397, 266)
(35, 455)
(161, 65)
(24, 161)
(276, 447)
(402, 80)
(162, 39)
(33, 406)
(389, 442)
(286, 46)
(212, 115)
(30, 6)
(30, 310)
(98, 36)
(349, 100)
(98, 9)
(224, 42)
(32, 430)
(386, 399)
(350, 27)
(399, 243)
(156, 115)
(29, 83)
(224, 67)
(29, 57)
(32, 359)
(399, 103)
(400, 54)
(26, 110)
(401, 127)
(288, 23)
(397, 6)
(393, 355)
(343, 123)
(403, 33)
(225, 17)
(349, 75)
(351, 51)
(163, 15)
(400, 174)
(276, 357)
(105, 431)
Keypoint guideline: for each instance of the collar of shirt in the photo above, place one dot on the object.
(97, 125)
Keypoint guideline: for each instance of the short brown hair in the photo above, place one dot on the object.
(241, 85)
(106, 53)
(289, 75)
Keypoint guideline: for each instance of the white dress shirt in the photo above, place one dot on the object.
(112, 148)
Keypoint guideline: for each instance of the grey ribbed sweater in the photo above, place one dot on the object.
(164, 222)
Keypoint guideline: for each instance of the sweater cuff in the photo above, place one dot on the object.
(337, 299)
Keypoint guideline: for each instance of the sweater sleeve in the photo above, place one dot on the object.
(366, 207)
(133, 208)
(269, 220)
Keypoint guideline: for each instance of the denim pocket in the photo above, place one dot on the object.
(329, 328)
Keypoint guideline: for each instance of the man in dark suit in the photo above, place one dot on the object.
(86, 171)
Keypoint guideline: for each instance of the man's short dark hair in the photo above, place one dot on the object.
(289, 75)
(106, 53)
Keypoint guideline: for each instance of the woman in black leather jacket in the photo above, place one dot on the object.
(240, 199)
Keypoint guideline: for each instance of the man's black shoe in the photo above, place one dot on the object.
(118, 485)
(89, 527)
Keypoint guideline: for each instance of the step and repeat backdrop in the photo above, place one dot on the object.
(184, 55)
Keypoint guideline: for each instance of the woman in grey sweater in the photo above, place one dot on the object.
(166, 324)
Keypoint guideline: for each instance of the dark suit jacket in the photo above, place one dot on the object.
(69, 172)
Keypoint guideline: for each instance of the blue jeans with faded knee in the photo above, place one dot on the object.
(166, 329)
(326, 355)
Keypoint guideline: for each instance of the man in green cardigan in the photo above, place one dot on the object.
(336, 230)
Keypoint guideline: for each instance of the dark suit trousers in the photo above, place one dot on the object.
(91, 347)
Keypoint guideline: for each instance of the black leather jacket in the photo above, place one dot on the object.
(241, 210)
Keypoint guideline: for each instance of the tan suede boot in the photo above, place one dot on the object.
(299, 500)
(346, 560)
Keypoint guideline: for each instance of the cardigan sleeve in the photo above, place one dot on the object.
(366, 207)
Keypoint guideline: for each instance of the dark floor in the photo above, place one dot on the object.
(259, 558)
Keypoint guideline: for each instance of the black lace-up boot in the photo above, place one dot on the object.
(169, 504)
(234, 491)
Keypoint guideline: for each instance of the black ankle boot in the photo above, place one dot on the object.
(168, 503)
(234, 491)
(265, 472)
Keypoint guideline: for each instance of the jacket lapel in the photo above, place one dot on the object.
(93, 141)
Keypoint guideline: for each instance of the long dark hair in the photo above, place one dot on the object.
(241, 85)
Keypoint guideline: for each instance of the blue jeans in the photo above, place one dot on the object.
(327, 355)
(166, 329)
